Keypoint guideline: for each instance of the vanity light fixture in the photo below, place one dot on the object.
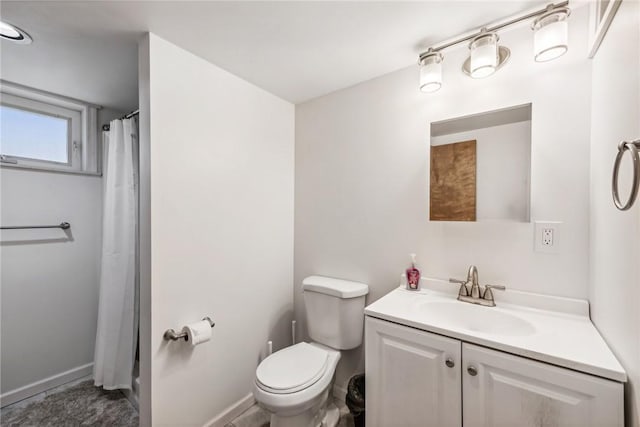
(483, 59)
(486, 56)
(551, 33)
(13, 33)
(430, 71)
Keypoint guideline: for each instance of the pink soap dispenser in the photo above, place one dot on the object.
(413, 275)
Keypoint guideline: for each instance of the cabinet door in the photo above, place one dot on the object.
(508, 390)
(408, 381)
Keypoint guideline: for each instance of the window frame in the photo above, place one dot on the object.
(74, 131)
(83, 153)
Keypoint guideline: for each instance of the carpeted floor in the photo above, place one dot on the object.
(82, 404)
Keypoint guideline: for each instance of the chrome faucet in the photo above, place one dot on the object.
(471, 292)
(472, 277)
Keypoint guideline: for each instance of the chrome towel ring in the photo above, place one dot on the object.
(632, 147)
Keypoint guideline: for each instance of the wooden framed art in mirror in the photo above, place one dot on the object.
(480, 167)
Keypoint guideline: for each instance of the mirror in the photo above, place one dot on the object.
(480, 167)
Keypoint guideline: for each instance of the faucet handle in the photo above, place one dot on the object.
(464, 290)
(488, 294)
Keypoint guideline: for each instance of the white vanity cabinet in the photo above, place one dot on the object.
(499, 389)
(417, 378)
(413, 378)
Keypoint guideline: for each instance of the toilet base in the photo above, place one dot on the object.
(325, 414)
(332, 417)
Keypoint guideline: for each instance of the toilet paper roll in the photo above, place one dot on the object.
(198, 332)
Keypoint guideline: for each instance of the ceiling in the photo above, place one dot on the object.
(296, 50)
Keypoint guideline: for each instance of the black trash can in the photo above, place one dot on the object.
(355, 399)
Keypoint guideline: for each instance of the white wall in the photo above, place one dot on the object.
(615, 235)
(49, 278)
(503, 160)
(221, 191)
(361, 199)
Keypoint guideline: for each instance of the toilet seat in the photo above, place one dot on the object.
(287, 403)
(292, 369)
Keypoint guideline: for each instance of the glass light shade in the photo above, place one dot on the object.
(550, 38)
(484, 55)
(431, 72)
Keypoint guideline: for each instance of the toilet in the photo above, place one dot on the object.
(295, 383)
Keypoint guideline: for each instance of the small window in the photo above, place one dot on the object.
(37, 136)
(39, 130)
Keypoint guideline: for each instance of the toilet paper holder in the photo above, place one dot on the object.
(172, 335)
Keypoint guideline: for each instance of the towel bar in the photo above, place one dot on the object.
(62, 225)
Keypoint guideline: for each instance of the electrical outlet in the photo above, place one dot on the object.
(546, 237)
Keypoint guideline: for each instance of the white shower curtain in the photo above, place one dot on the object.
(116, 336)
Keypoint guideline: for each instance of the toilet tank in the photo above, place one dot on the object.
(335, 311)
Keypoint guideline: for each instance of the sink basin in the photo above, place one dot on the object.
(476, 318)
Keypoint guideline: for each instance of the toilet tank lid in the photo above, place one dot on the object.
(335, 287)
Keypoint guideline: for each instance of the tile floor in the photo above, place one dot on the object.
(258, 417)
(72, 405)
(80, 403)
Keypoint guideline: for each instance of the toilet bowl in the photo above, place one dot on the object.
(294, 384)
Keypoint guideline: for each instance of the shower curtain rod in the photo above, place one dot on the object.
(126, 116)
(131, 114)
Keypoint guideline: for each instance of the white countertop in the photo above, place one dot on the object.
(555, 330)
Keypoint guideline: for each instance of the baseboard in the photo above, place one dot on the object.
(340, 393)
(232, 412)
(37, 387)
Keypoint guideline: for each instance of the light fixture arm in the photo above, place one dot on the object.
(547, 9)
